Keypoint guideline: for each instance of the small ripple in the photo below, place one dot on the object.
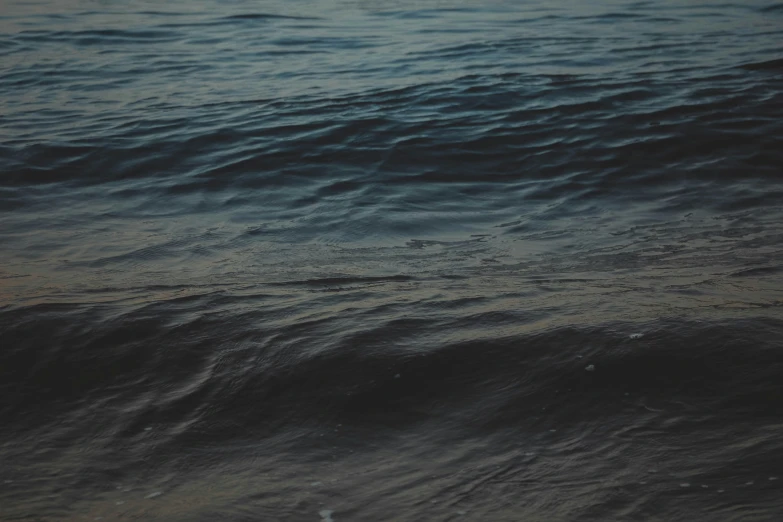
(98, 36)
(268, 16)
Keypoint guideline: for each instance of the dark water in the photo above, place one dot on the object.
(368, 261)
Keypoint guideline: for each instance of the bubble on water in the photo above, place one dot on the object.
(685, 485)
(590, 368)
(326, 515)
(636, 336)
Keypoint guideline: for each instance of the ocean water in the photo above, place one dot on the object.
(364, 260)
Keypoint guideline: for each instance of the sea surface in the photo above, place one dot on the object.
(364, 260)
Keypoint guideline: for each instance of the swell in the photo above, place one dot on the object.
(173, 390)
(461, 133)
(97, 37)
(157, 395)
(767, 65)
(211, 378)
(773, 8)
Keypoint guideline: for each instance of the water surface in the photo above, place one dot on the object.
(363, 260)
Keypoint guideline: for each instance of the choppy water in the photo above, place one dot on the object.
(369, 261)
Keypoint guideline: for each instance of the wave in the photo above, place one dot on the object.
(190, 393)
(493, 263)
(767, 65)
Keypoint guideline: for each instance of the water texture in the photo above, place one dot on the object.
(352, 260)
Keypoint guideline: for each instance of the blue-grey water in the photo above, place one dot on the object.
(364, 260)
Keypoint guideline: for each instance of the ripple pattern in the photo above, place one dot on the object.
(396, 260)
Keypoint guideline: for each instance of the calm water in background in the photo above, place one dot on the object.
(366, 261)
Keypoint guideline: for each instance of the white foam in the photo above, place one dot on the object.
(326, 515)
(155, 494)
(590, 368)
(685, 485)
(636, 336)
